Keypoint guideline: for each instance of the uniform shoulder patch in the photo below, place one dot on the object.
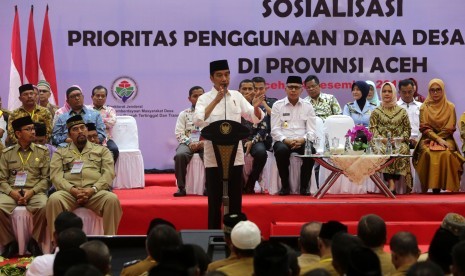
(126, 264)
(41, 146)
(8, 149)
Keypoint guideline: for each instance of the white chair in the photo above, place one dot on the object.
(321, 135)
(129, 168)
(92, 224)
(337, 126)
(195, 176)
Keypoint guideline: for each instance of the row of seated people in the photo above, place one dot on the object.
(35, 103)
(323, 249)
(428, 128)
(81, 172)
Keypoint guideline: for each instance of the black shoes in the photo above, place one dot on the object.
(34, 248)
(11, 250)
(180, 192)
(304, 192)
(284, 192)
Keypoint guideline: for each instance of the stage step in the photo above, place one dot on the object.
(423, 230)
(160, 179)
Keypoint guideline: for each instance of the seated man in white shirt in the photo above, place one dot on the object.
(406, 101)
(188, 136)
(292, 119)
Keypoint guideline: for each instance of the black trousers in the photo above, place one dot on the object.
(111, 145)
(282, 154)
(215, 194)
(259, 153)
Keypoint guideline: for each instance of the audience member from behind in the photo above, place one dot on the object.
(98, 255)
(327, 232)
(68, 258)
(363, 262)
(341, 247)
(372, 231)
(425, 268)
(188, 136)
(229, 221)
(308, 243)
(137, 267)
(317, 272)
(458, 259)
(270, 259)
(24, 165)
(187, 259)
(82, 173)
(405, 252)
(292, 258)
(245, 236)
(43, 265)
(440, 248)
(83, 270)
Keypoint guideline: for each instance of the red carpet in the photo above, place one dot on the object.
(283, 216)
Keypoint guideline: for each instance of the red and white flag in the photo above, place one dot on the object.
(47, 61)
(32, 63)
(16, 69)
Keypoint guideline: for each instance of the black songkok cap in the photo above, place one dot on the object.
(330, 228)
(294, 79)
(25, 87)
(41, 130)
(71, 89)
(74, 120)
(230, 220)
(217, 65)
(91, 126)
(20, 122)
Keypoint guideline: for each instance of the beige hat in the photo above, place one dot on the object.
(246, 235)
(455, 223)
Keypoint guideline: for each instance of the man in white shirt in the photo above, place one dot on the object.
(188, 137)
(292, 119)
(406, 101)
(219, 104)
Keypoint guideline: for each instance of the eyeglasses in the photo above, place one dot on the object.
(294, 87)
(435, 90)
(43, 91)
(28, 129)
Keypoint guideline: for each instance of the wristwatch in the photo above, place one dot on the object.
(95, 189)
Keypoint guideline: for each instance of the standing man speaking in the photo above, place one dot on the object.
(220, 104)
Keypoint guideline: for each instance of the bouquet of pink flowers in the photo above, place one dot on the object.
(359, 136)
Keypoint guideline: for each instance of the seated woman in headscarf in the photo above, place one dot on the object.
(436, 157)
(360, 109)
(389, 117)
(373, 93)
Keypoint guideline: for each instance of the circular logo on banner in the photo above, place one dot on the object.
(124, 89)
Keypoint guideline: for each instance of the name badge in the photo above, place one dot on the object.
(20, 179)
(195, 135)
(77, 166)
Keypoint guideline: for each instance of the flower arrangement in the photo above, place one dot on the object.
(359, 136)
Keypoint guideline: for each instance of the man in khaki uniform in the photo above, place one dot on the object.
(38, 113)
(82, 173)
(24, 180)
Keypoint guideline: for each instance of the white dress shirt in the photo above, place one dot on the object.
(413, 111)
(292, 121)
(42, 265)
(236, 107)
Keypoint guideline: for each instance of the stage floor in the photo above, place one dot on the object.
(283, 216)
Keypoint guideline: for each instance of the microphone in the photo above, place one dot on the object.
(225, 89)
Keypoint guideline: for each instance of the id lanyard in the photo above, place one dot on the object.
(22, 160)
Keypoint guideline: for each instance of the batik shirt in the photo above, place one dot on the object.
(38, 115)
(185, 126)
(325, 105)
